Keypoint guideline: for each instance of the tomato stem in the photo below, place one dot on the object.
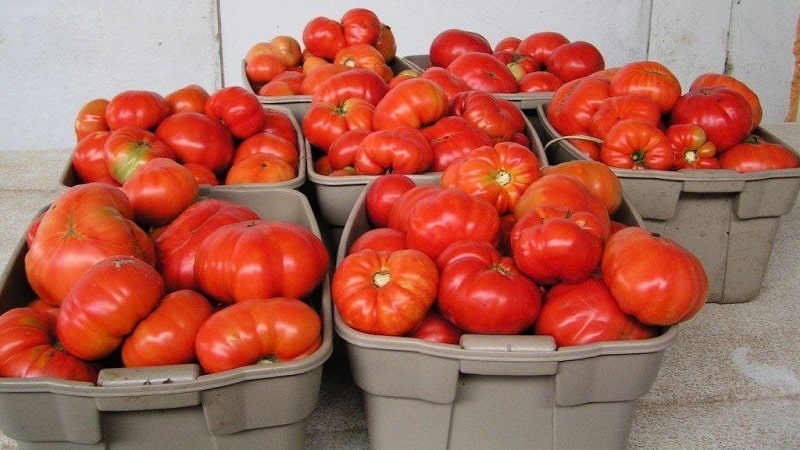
(503, 178)
(381, 278)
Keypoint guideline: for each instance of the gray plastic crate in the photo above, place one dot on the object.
(727, 219)
(497, 392)
(175, 407)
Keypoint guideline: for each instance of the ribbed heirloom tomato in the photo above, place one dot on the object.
(160, 190)
(197, 138)
(451, 138)
(755, 154)
(136, 108)
(596, 176)
(647, 78)
(239, 109)
(723, 113)
(400, 150)
(127, 148)
(571, 109)
(631, 144)
(91, 118)
(415, 103)
(382, 194)
(483, 72)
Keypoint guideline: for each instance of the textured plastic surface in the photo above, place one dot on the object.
(727, 219)
(69, 177)
(525, 100)
(176, 407)
(497, 392)
(336, 195)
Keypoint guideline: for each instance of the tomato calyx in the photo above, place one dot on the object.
(503, 177)
(381, 278)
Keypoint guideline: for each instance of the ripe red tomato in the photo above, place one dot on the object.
(486, 111)
(575, 60)
(259, 168)
(352, 82)
(539, 81)
(451, 84)
(287, 86)
(325, 121)
(360, 26)
(386, 293)
(435, 328)
(279, 123)
(386, 43)
(197, 138)
(167, 335)
(315, 76)
(364, 56)
(484, 72)
(596, 176)
(382, 194)
(508, 43)
(91, 118)
(691, 148)
(379, 239)
(136, 108)
(540, 46)
(586, 312)
(272, 329)
(714, 80)
(89, 159)
(105, 304)
(323, 37)
(653, 278)
(262, 68)
(202, 174)
(127, 148)
(451, 43)
(269, 143)
(631, 144)
(413, 103)
(650, 79)
(239, 109)
(723, 113)
(260, 259)
(160, 190)
(755, 154)
(288, 49)
(482, 291)
(190, 98)
(621, 107)
(571, 109)
(343, 149)
(451, 138)
(402, 149)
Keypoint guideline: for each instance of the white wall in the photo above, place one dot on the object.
(56, 55)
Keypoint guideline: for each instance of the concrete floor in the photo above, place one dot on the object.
(731, 380)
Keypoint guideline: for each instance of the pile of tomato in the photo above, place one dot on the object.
(637, 117)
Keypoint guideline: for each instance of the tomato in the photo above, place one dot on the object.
(386, 293)
(498, 174)
(325, 121)
(323, 37)
(402, 149)
(288, 49)
(239, 109)
(260, 259)
(519, 65)
(260, 168)
(360, 83)
(483, 292)
(136, 108)
(311, 62)
(539, 81)
(450, 83)
(366, 57)
(177, 243)
(565, 246)
(435, 328)
(486, 112)
(89, 159)
(413, 103)
(263, 68)
(202, 174)
(653, 277)
(596, 176)
(755, 154)
(160, 190)
(399, 215)
(315, 76)
(91, 118)
(379, 239)
(448, 215)
(360, 26)
(269, 143)
(263, 329)
(723, 113)
(484, 72)
(540, 45)
(105, 305)
(29, 348)
(631, 144)
(586, 144)
(279, 123)
(713, 80)
(628, 106)
(167, 335)
(453, 42)
(403, 75)
(343, 149)
(127, 148)
(190, 98)
(650, 79)
(288, 82)
(571, 109)
(575, 60)
(197, 138)
(508, 43)
(85, 224)
(451, 138)
(386, 43)
(382, 194)
(691, 148)
(586, 312)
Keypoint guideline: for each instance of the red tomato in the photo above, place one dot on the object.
(196, 138)
(167, 335)
(483, 292)
(360, 83)
(386, 43)
(435, 328)
(382, 194)
(91, 118)
(202, 174)
(260, 259)
(540, 45)
(127, 148)
(364, 56)
(360, 26)
(691, 148)
(136, 108)
(571, 109)
(239, 109)
(272, 329)
(402, 149)
(343, 149)
(259, 168)
(723, 113)
(85, 224)
(324, 121)
(486, 112)
(450, 83)
(177, 243)
(508, 43)
(30, 349)
(262, 68)
(596, 176)
(105, 304)
(539, 81)
(413, 103)
(288, 82)
(379, 239)
(575, 60)
(631, 144)
(190, 98)
(621, 107)
(399, 215)
(279, 123)
(451, 138)
(270, 143)
(403, 75)
(650, 79)
(653, 278)
(451, 43)
(498, 174)
(713, 80)
(519, 65)
(484, 72)
(586, 312)
(314, 77)
(756, 154)
(160, 190)
(385, 293)
(323, 37)
(89, 159)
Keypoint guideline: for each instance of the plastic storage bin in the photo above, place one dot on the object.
(727, 219)
(175, 407)
(497, 392)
